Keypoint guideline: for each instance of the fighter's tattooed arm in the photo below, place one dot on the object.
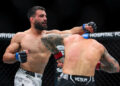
(52, 40)
(109, 64)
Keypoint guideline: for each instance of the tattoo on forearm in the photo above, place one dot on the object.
(110, 64)
(109, 68)
(51, 40)
(46, 43)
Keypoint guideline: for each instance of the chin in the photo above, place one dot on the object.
(42, 28)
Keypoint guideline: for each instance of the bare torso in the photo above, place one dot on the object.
(81, 55)
(38, 55)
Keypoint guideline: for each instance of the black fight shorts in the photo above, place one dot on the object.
(75, 80)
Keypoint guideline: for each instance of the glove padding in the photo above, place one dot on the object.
(98, 66)
(93, 24)
(21, 56)
(58, 55)
(61, 49)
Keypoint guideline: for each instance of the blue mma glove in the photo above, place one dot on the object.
(93, 24)
(21, 56)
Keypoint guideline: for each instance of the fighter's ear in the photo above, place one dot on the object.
(31, 19)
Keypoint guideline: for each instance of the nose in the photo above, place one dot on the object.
(45, 18)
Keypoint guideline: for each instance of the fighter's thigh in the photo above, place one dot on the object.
(24, 80)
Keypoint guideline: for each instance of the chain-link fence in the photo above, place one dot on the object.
(106, 79)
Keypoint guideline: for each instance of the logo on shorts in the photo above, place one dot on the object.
(81, 79)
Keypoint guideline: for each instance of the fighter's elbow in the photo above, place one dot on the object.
(4, 58)
(117, 68)
(7, 60)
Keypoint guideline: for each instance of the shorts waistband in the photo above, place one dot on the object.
(31, 73)
(77, 78)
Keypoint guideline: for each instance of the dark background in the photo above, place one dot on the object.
(62, 14)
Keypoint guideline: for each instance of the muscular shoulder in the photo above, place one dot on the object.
(97, 45)
(18, 36)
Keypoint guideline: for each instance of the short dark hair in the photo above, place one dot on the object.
(32, 11)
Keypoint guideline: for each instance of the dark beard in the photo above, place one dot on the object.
(39, 26)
